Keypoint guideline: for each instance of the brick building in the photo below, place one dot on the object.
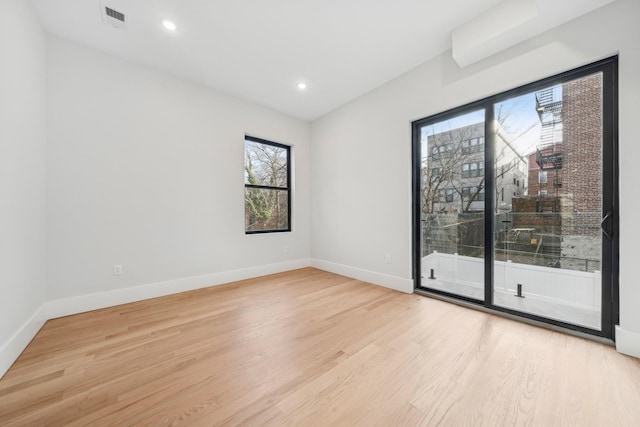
(582, 134)
(569, 168)
(564, 176)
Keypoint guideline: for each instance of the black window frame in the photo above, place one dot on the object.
(610, 313)
(269, 187)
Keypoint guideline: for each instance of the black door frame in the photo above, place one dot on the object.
(610, 241)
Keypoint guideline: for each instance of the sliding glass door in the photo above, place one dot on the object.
(452, 204)
(515, 197)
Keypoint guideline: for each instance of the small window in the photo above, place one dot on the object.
(465, 193)
(473, 145)
(267, 186)
(542, 177)
(472, 193)
(466, 147)
(449, 195)
(441, 151)
(472, 169)
(543, 192)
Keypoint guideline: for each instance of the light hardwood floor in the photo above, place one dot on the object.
(312, 348)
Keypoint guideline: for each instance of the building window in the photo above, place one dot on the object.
(480, 196)
(435, 172)
(473, 145)
(473, 169)
(465, 193)
(543, 192)
(472, 193)
(267, 186)
(542, 177)
(441, 151)
(449, 195)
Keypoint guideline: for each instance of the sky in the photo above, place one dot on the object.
(520, 121)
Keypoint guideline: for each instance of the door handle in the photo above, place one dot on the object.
(608, 235)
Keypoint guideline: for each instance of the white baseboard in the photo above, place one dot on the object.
(19, 341)
(83, 303)
(627, 342)
(388, 281)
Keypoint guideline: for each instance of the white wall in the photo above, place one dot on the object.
(146, 170)
(361, 170)
(22, 174)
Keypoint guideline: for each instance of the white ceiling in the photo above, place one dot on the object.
(259, 50)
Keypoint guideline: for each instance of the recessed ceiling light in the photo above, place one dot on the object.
(169, 25)
(302, 86)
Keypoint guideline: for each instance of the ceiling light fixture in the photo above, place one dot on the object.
(169, 25)
(302, 86)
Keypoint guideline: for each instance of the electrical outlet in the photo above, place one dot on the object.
(117, 269)
(387, 259)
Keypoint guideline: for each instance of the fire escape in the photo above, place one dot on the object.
(549, 151)
(549, 159)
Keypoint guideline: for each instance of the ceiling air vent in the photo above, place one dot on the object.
(113, 17)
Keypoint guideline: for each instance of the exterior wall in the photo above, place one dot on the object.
(578, 182)
(511, 170)
(553, 186)
(509, 186)
(511, 174)
(535, 212)
(582, 134)
(451, 161)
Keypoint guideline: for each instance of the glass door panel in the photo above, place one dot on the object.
(452, 192)
(548, 202)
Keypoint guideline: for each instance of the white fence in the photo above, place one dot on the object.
(554, 285)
